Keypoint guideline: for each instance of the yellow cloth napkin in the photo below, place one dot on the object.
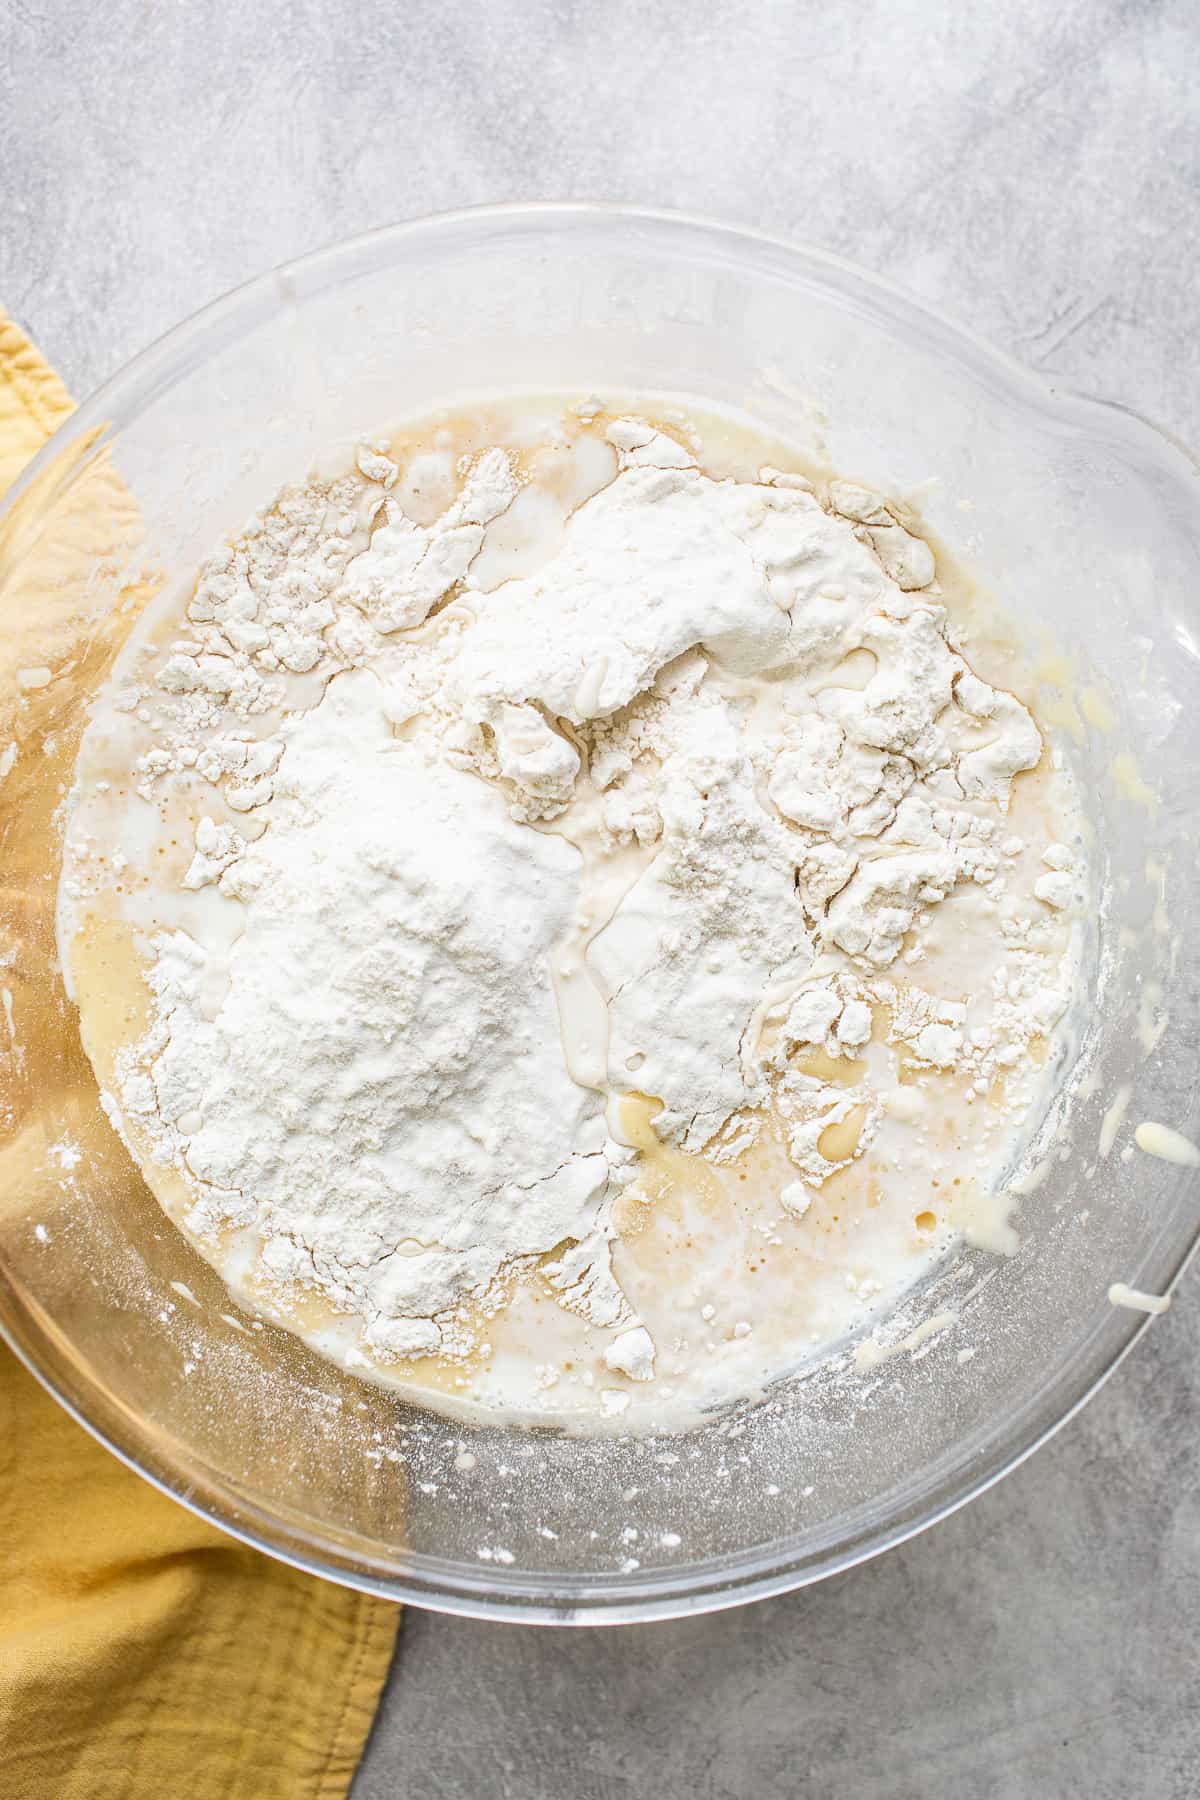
(143, 1655)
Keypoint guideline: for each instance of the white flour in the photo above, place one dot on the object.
(468, 876)
(405, 1122)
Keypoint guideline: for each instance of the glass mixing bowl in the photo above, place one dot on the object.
(1080, 518)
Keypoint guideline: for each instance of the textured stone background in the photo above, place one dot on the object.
(1033, 169)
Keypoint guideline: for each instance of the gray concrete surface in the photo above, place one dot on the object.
(1034, 169)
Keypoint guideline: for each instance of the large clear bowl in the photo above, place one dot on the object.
(1082, 519)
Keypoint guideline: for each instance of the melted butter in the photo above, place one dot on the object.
(838, 1071)
(839, 1141)
(665, 1170)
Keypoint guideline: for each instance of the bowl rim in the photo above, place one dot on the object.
(689, 1588)
(139, 379)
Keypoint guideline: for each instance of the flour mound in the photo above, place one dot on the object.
(382, 1087)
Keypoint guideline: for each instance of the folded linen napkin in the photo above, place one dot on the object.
(144, 1655)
